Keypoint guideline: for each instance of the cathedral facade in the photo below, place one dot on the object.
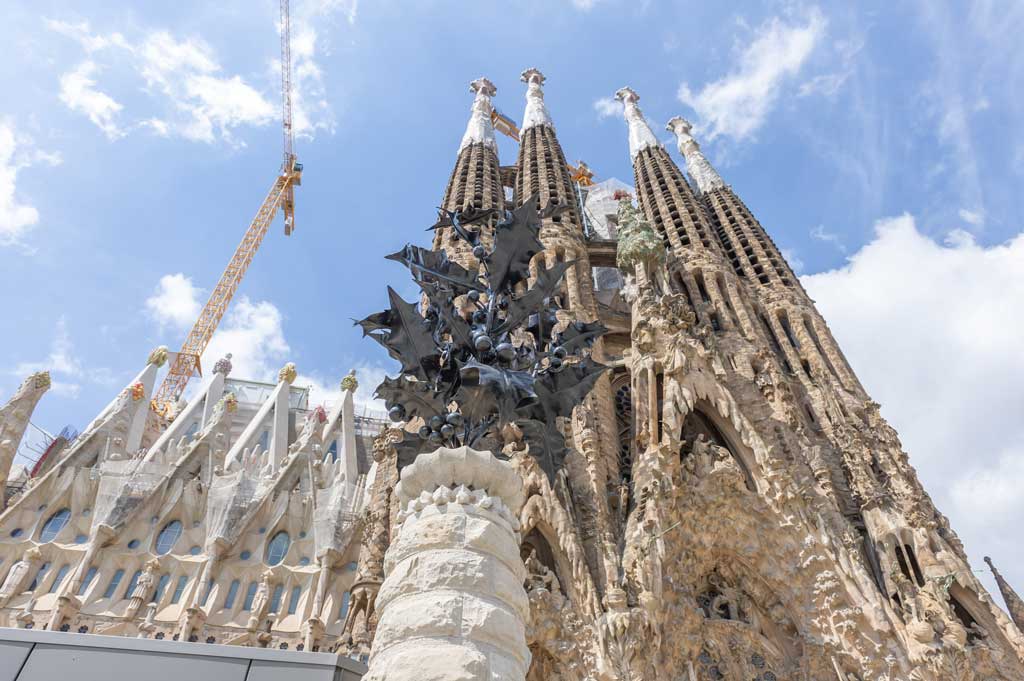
(733, 505)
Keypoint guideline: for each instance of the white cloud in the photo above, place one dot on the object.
(80, 32)
(175, 302)
(584, 5)
(253, 334)
(196, 99)
(17, 152)
(78, 92)
(210, 106)
(606, 107)
(975, 218)
(934, 333)
(793, 259)
(737, 104)
(821, 234)
(61, 363)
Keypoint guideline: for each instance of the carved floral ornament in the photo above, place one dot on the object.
(489, 363)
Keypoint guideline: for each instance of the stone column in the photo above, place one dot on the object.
(452, 606)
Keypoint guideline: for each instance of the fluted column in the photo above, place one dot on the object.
(452, 605)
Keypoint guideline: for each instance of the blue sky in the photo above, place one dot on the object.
(880, 146)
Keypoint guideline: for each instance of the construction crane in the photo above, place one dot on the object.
(280, 197)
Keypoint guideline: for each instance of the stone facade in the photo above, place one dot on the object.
(733, 505)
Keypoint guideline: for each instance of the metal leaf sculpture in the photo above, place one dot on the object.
(484, 358)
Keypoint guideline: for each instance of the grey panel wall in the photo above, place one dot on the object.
(28, 655)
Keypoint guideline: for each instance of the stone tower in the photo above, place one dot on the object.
(733, 506)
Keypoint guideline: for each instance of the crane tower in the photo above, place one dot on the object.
(280, 197)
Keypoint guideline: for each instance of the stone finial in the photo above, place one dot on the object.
(287, 373)
(480, 129)
(223, 365)
(640, 134)
(40, 380)
(158, 356)
(349, 383)
(483, 86)
(1014, 603)
(536, 111)
(697, 165)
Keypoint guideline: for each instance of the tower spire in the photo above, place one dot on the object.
(640, 134)
(1013, 602)
(536, 112)
(480, 130)
(706, 177)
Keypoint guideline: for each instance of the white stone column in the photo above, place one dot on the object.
(452, 606)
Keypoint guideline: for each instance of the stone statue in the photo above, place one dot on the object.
(540, 577)
(18, 574)
(260, 601)
(143, 588)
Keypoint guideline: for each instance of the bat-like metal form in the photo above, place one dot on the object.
(485, 355)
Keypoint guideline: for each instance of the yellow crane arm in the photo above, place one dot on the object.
(185, 364)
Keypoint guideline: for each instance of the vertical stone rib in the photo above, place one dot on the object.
(475, 182)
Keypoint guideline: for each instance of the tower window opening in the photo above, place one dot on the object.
(784, 322)
(699, 278)
(773, 340)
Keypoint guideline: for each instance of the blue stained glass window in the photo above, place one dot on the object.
(343, 610)
(39, 576)
(161, 586)
(54, 525)
(114, 581)
(195, 551)
(132, 583)
(61, 574)
(245, 555)
(332, 451)
(275, 600)
(304, 561)
(179, 589)
(81, 539)
(209, 590)
(17, 532)
(229, 601)
(293, 601)
(277, 548)
(89, 576)
(168, 537)
(133, 544)
(250, 594)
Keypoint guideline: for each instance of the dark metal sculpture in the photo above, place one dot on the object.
(488, 362)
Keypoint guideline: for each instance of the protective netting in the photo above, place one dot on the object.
(230, 497)
(124, 486)
(338, 507)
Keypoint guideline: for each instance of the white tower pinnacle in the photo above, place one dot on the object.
(536, 113)
(480, 130)
(640, 134)
(697, 165)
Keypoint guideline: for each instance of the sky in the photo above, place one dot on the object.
(879, 144)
